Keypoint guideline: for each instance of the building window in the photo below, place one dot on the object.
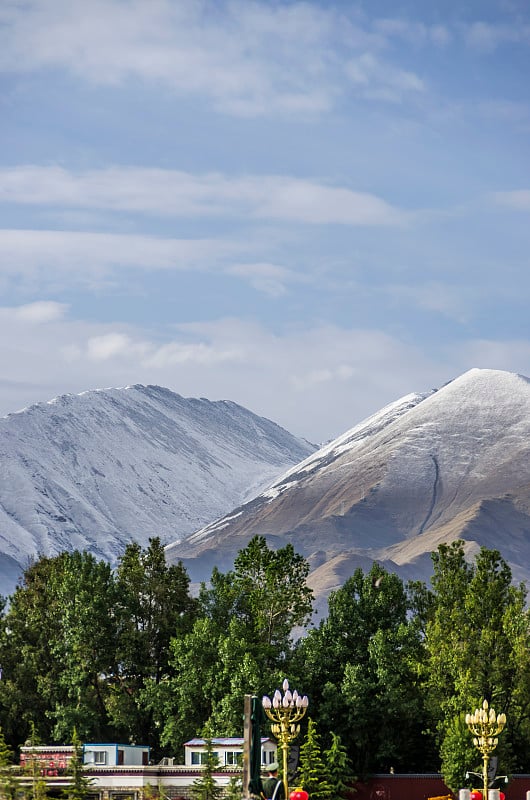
(100, 757)
(233, 758)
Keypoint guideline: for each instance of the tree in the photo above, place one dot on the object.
(239, 644)
(267, 593)
(312, 773)
(477, 635)
(338, 769)
(359, 669)
(39, 790)
(153, 607)
(8, 783)
(234, 790)
(80, 784)
(205, 787)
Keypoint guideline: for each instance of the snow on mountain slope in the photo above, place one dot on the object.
(428, 468)
(98, 470)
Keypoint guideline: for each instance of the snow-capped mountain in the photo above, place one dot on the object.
(452, 463)
(98, 470)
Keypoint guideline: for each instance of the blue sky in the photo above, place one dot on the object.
(308, 208)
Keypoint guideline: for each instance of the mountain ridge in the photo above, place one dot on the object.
(108, 466)
(450, 463)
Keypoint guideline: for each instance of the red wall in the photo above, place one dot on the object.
(401, 787)
(421, 787)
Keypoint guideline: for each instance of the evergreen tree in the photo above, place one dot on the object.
(338, 768)
(234, 790)
(33, 769)
(312, 772)
(8, 782)
(80, 784)
(205, 787)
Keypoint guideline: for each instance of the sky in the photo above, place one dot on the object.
(309, 208)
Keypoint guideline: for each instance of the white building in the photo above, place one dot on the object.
(228, 751)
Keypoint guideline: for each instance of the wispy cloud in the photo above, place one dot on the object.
(442, 298)
(488, 36)
(174, 193)
(518, 199)
(270, 279)
(273, 371)
(37, 313)
(83, 256)
(414, 32)
(247, 58)
(374, 78)
(219, 51)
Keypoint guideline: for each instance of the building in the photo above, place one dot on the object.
(124, 772)
(228, 751)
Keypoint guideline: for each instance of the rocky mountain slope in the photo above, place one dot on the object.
(98, 470)
(426, 469)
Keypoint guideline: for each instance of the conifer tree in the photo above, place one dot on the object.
(8, 783)
(205, 787)
(80, 784)
(312, 774)
(338, 768)
(38, 790)
(234, 789)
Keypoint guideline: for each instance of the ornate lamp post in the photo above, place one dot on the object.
(485, 726)
(285, 711)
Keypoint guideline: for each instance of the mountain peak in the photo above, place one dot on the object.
(105, 467)
(427, 468)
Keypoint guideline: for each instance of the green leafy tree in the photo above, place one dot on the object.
(83, 594)
(153, 606)
(240, 643)
(360, 667)
(55, 649)
(338, 769)
(312, 772)
(477, 635)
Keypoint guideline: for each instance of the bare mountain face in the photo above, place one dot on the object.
(453, 463)
(98, 470)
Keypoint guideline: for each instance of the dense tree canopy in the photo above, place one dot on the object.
(131, 655)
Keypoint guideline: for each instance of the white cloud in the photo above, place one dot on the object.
(175, 193)
(415, 33)
(518, 199)
(268, 278)
(450, 301)
(110, 345)
(89, 257)
(375, 79)
(41, 311)
(248, 58)
(221, 51)
(488, 36)
(316, 382)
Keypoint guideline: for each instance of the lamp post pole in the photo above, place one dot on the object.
(485, 726)
(285, 712)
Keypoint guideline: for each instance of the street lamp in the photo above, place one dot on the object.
(485, 726)
(285, 711)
